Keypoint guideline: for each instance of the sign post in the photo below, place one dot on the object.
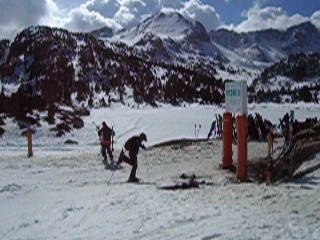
(236, 101)
(29, 139)
(227, 141)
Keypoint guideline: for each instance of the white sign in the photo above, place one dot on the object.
(236, 97)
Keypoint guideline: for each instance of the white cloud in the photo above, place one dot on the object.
(94, 14)
(81, 19)
(315, 19)
(268, 17)
(207, 15)
(53, 16)
(127, 13)
(107, 8)
(117, 14)
(18, 14)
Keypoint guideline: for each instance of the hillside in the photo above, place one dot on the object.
(49, 69)
(293, 79)
(58, 76)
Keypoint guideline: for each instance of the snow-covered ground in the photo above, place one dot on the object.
(66, 195)
(64, 192)
(160, 124)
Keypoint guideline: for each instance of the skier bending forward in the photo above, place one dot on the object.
(129, 154)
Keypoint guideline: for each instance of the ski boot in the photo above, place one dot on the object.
(133, 180)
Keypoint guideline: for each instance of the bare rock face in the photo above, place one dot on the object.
(1, 131)
(77, 123)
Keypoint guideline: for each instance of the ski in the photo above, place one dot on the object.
(136, 183)
(112, 167)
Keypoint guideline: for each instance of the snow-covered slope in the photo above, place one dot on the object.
(296, 76)
(269, 46)
(103, 33)
(160, 124)
(48, 69)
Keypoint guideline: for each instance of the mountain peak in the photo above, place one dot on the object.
(165, 24)
(308, 26)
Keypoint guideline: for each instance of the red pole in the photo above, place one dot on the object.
(29, 138)
(227, 141)
(242, 169)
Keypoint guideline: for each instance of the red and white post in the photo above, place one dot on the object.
(236, 99)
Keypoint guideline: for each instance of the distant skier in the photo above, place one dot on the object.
(129, 154)
(106, 133)
(212, 130)
(219, 122)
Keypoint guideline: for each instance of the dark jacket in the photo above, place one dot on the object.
(105, 133)
(133, 144)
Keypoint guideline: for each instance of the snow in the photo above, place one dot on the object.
(10, 88)
(67, 194)
(65, 191)
(159, 72)
(160, 124)
(277, 82)
(164, 25)
(21, 57)
(274, 111)
(75, 61)
(76, 67)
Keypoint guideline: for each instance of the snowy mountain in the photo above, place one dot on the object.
(269, 46)
(164, 59)
(66, 74)
(104, 32)
(296, 78)
(170, 37)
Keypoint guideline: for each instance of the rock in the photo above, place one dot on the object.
(2, 123)
(61, 129)
(82, 112)
(71, 142)
(77, 123)
(1, 131)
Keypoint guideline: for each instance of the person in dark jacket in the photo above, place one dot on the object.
(106, 134)
(129, 154)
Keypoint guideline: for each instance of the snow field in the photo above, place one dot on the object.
(64, 192)
(160, 124)
(68, 196)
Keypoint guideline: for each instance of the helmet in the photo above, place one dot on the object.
(143, 136)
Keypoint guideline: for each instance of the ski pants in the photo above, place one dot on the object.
(131, 160)
(104, 149)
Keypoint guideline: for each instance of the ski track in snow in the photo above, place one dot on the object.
(66, 196)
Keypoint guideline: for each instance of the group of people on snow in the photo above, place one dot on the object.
(128, 153)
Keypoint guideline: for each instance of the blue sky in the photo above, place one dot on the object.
(231, 11)
(88, 15)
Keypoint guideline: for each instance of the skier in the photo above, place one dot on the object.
(105, 134)
(129, 154)
(212, 130)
